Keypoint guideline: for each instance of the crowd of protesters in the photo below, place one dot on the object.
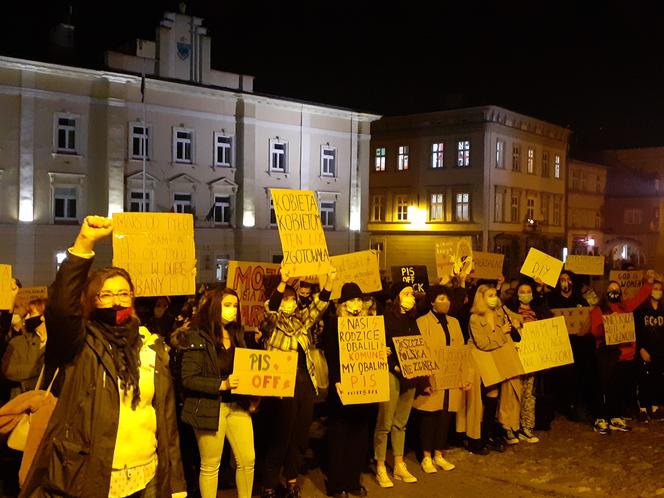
(145, 387)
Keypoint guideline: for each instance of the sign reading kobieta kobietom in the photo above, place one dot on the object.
(414, 358)
(246, 278)
(265, 373)
(301, 232)
(158, 251)
(363, 360)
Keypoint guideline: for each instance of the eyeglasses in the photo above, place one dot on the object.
(123, 297)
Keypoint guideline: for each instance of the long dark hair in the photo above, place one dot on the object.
(94, 284)
(208, 317)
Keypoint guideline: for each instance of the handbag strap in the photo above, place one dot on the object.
(55, 374)
(41, 377)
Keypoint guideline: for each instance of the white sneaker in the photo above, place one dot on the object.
(510, 438)
(401, 473)
(529, 437)
(383, 479)
(443, 464)
(428, 466)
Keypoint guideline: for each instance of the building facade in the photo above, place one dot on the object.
(77, 141)
(485, 172)
(586, 184)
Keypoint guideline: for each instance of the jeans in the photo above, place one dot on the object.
(392, 419)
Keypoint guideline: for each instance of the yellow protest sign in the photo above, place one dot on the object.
(630, 281)
(497, 365)
(265, 373)
(451, 254)
(577, 319)
(544, 344)
(452, 361)
(28, 294)
(585, 265)
(360, 267)
(157, 249)
(619, 328)
(414, 357)
(488, 265)
(363, 360)
(6, 297)
(301, 232)
(246, 278)
(541, 265)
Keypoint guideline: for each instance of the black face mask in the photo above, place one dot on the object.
(614, 297)
(31, 324)
(304, 302)
(117, 315)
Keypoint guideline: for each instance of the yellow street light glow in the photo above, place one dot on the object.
(417, 217)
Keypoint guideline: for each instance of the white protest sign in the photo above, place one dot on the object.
(630, 281)
(451, 360)
(359, 267)
(488, 265)
(265, 373)
(6, 297)
(585, 265)
(544, 344)
(541, 265)
(414, 358)
(619, 328)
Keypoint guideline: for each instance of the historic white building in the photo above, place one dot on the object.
(75, 141)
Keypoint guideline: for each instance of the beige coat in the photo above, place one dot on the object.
(433, 334)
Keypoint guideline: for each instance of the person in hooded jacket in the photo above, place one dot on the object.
(113, 431)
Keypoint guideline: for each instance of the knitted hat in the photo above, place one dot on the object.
(397, 287)
(350, 290)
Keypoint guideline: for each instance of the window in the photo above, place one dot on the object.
(516, 157)
(556, 210)
(182, 203)
(545, 164)
(273, 215)
(633, 216)
(66, 134)
(139, 141)
(576, 180)
(223, 150)
(515, 211)
(328, 161)
(327, 209)
(136, 202)
(556, 166)
(531, 161)
(65, 199)
(378, 208)
(221, 271)
(278, 156)
(499, 208)
(183, 140)
(222, 210)
(462, 206)
(530, 208)
(437, 207)
(437, 153)
(598, 220)
(402, 207)
(380, 158)
(403, 157)
(463, 156)
(500, 154)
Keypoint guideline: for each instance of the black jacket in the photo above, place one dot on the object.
(649, 324)
(75, 456)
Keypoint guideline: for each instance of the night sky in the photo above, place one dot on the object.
(599, 71)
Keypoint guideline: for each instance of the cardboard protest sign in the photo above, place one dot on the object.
(6, 297)
(414, 357)
(265, 373)
(585, 265)
(157, 249)
(301, 232)
(577, 320)
(416, 276)
(28, 294)
(541, 265)
(246, 278)
(451, 254)
(363, 360)
(619, 328)
(544, 344)
(452, 361)
(488, 265)
(497, 365)
(359, 267)
(630, 281)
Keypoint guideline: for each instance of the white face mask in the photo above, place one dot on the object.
(492, 301)
(407, 302)
(288, 307)
(228, 314)
(656, 295)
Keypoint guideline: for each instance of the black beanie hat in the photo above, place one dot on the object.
(397, 287)
(350, 290)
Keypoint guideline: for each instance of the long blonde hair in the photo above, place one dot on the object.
(480, 306)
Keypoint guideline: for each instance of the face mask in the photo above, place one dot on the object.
(442, 308)
(407, 302)
(31, 324)
(565, 286)
(614, 297)
(228, 314)
(656, 295)
(159, 312)
(288, 307)
(117, 315)
(525, 298)
(304, 302)
(592, 298)
(492, 301)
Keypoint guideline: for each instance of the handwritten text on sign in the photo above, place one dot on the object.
(28, 294)
(265, 373)
(544, 344)
(488, 265)
(246, 278)
(359, 267)
(157, 249)
(585, 265)
(363, 360)
(5, 287)
(301, 232)
(450, 254)
(452, 361)
(541, 265)
(414, 358)
(619, 328)
(630, 281)
(415, 276)
(577, 319)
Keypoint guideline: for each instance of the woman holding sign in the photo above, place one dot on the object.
(210, 407)
(113, 432)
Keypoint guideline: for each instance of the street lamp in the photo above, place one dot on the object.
(417, 217)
